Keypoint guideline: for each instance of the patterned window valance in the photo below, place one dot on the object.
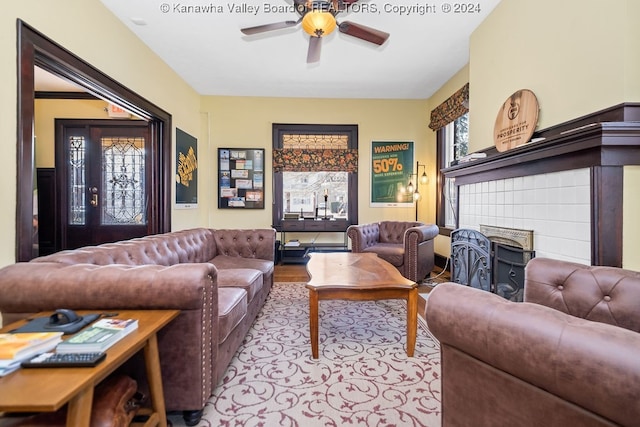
(315, 153)
(311, 160)
(455, 106)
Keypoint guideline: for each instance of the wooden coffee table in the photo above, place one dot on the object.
(358, 277)
(48, 389)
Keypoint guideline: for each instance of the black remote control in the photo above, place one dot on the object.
(65, 360)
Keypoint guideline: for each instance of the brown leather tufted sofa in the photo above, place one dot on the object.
(408, 245)
(219, 279)
(569, 355)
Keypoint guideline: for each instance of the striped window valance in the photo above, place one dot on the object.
(315, 153)
(455, 106)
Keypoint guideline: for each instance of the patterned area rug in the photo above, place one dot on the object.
(362, 378)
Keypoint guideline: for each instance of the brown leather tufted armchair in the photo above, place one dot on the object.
(568, 355)
(407, 245)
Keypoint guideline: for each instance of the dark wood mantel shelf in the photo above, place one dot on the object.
(604, 141)
(596, 144)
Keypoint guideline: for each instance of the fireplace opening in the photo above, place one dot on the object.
(492, 260)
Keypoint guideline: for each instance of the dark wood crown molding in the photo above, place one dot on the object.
(43, 94)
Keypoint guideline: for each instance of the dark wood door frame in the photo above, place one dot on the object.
(35, 49)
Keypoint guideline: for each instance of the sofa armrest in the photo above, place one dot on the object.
(414, 236)
(188, 346)
(603, 294)
(591, 364)
(419, 253)
(32, 287)
(246, 243)
(363, 236)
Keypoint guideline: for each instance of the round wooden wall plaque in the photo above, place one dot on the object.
(516, 121)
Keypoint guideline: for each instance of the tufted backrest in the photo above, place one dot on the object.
(602, 294)
(362, 236)
(185, 246)
(393, 231)
(245, 243)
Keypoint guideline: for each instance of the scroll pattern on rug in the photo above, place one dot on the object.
(363, 376)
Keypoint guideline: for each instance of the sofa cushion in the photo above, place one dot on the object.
(232, 307)
(392, 253)
(246, 278)
(224, 262)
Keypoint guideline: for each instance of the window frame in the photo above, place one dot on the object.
(280, 129)
(441, 163)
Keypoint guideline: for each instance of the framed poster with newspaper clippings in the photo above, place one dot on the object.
(241, 178)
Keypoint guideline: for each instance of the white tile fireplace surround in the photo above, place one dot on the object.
(567, 187)
(556, 206)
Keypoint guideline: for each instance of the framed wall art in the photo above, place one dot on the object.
(241, 178)
(391, 165)
(186, 171)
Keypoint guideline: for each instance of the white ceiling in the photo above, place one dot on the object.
(47, 82)
(211, 54)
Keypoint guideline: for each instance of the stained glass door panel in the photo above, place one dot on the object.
(107, 180)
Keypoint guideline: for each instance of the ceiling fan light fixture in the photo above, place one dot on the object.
(318, 23)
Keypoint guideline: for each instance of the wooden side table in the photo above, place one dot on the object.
(48, 389)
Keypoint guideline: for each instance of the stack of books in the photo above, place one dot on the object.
(99, 336)
(292, 243)
(18, 347)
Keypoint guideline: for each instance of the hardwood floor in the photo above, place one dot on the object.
(290, 273)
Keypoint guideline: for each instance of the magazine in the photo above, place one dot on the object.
(99, 336)
(20, 346)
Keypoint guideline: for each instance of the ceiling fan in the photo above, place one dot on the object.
(318, 18)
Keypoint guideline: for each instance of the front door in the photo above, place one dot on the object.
(103, 180)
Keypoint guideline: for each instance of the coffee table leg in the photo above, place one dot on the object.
(313, 322)
(79, 411)
(412, 320)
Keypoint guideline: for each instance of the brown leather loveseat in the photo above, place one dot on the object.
(407, 245)
(219, 279)
(569, 355)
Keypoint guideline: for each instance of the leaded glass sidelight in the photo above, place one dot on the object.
(123, 181)
(77, 180)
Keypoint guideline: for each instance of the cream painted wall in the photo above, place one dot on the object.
(109, 46)
(570, 53)
(47, 110)
(632, 52)
(631, 227)
(246, 122)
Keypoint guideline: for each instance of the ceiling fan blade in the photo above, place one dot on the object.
(268, 27)
(363, 32)
(315, 46)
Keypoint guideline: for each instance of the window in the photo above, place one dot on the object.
(315, 172)
(453, 144)
(451, 122)
(303, 193)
